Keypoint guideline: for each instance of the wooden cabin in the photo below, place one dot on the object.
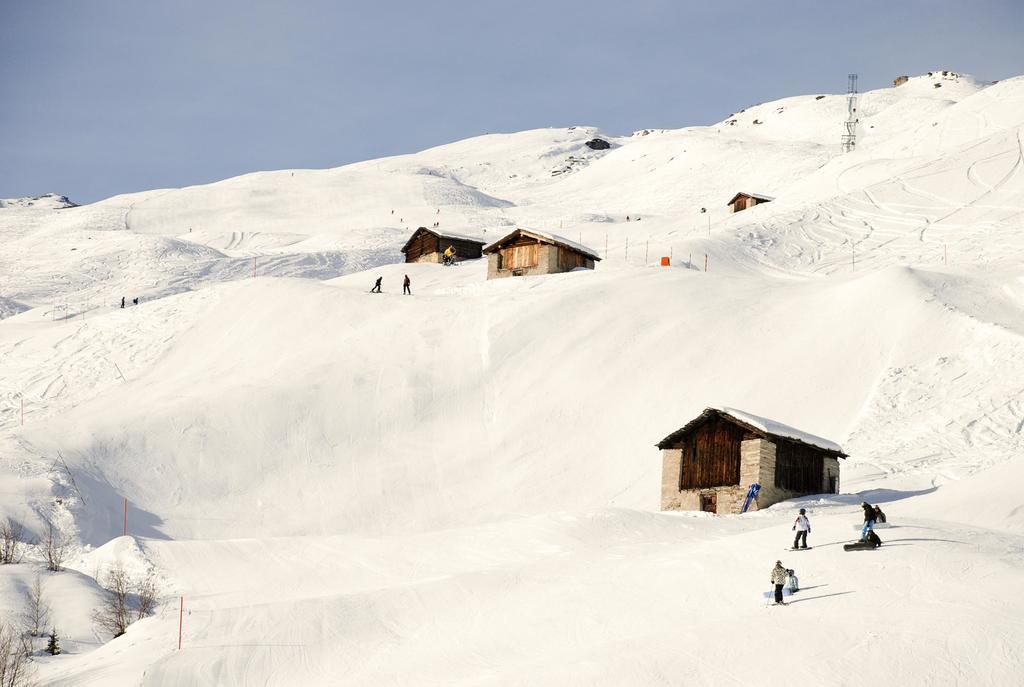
(711, 462)
(427, 245)
(527, 252)
(742, 201)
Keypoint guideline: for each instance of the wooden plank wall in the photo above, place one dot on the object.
(570, 259)
(798, 467)
(711, 455)
(424, 243)
(520, 255)
(463, 249)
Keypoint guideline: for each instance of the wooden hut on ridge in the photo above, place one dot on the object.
(427, 245)
(742, 201)
(527, 252)
(710, 463)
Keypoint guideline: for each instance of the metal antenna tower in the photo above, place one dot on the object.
(850, 137)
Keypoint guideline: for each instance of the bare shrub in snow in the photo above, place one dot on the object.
(12, 540)
(114, 616)
(15, 670)
(37, 614)
(126, 601)
(56, 549)
(146, 593)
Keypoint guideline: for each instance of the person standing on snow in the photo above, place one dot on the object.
(779, 575)
(405, 286)
(879, 515)
(122, 301)
(869, 519)
(376, 285)
(803, 527)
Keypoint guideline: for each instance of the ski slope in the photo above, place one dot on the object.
(461, 487)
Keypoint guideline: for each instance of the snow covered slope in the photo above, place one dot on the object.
(461, 487)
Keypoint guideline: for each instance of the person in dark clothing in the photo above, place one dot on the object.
(869, 519)
(803, 527)
(376, 285)
(135, 301)
(879, 515)
(405, 286)
(122, 301)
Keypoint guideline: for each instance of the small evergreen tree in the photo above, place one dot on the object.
(53, 645)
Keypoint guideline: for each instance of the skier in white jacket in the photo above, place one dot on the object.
(803, 527)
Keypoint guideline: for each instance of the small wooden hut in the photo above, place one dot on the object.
(527, 252)
(427, 245)
(742, 201)
(710, 463)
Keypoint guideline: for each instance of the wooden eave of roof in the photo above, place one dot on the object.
(439, 235)
(709, 412)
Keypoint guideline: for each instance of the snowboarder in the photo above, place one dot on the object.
(869, 519)
(405, 286)
(376, 285)
(122, 302)
(802, 526)
(879, 515)
(779, 575)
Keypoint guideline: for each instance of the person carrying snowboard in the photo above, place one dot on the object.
(779, 575)
(376, 285)
(802, 526)
(869, 519)
(406, 286)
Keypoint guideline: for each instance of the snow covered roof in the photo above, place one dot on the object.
(442, 236)
(545, 237)
(758, 196)
(759, 424)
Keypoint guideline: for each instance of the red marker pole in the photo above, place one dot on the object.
(181, 615)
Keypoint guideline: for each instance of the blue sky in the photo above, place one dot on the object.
(103, 97)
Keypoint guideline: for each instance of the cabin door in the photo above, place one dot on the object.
(709, 502)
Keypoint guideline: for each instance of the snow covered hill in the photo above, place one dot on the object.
(461, 487)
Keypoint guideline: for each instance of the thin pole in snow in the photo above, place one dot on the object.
(23, 410)
(125, 529)
(181, 616)
(254, 267)
(626, 255)
(705, 262)
(647, 250)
